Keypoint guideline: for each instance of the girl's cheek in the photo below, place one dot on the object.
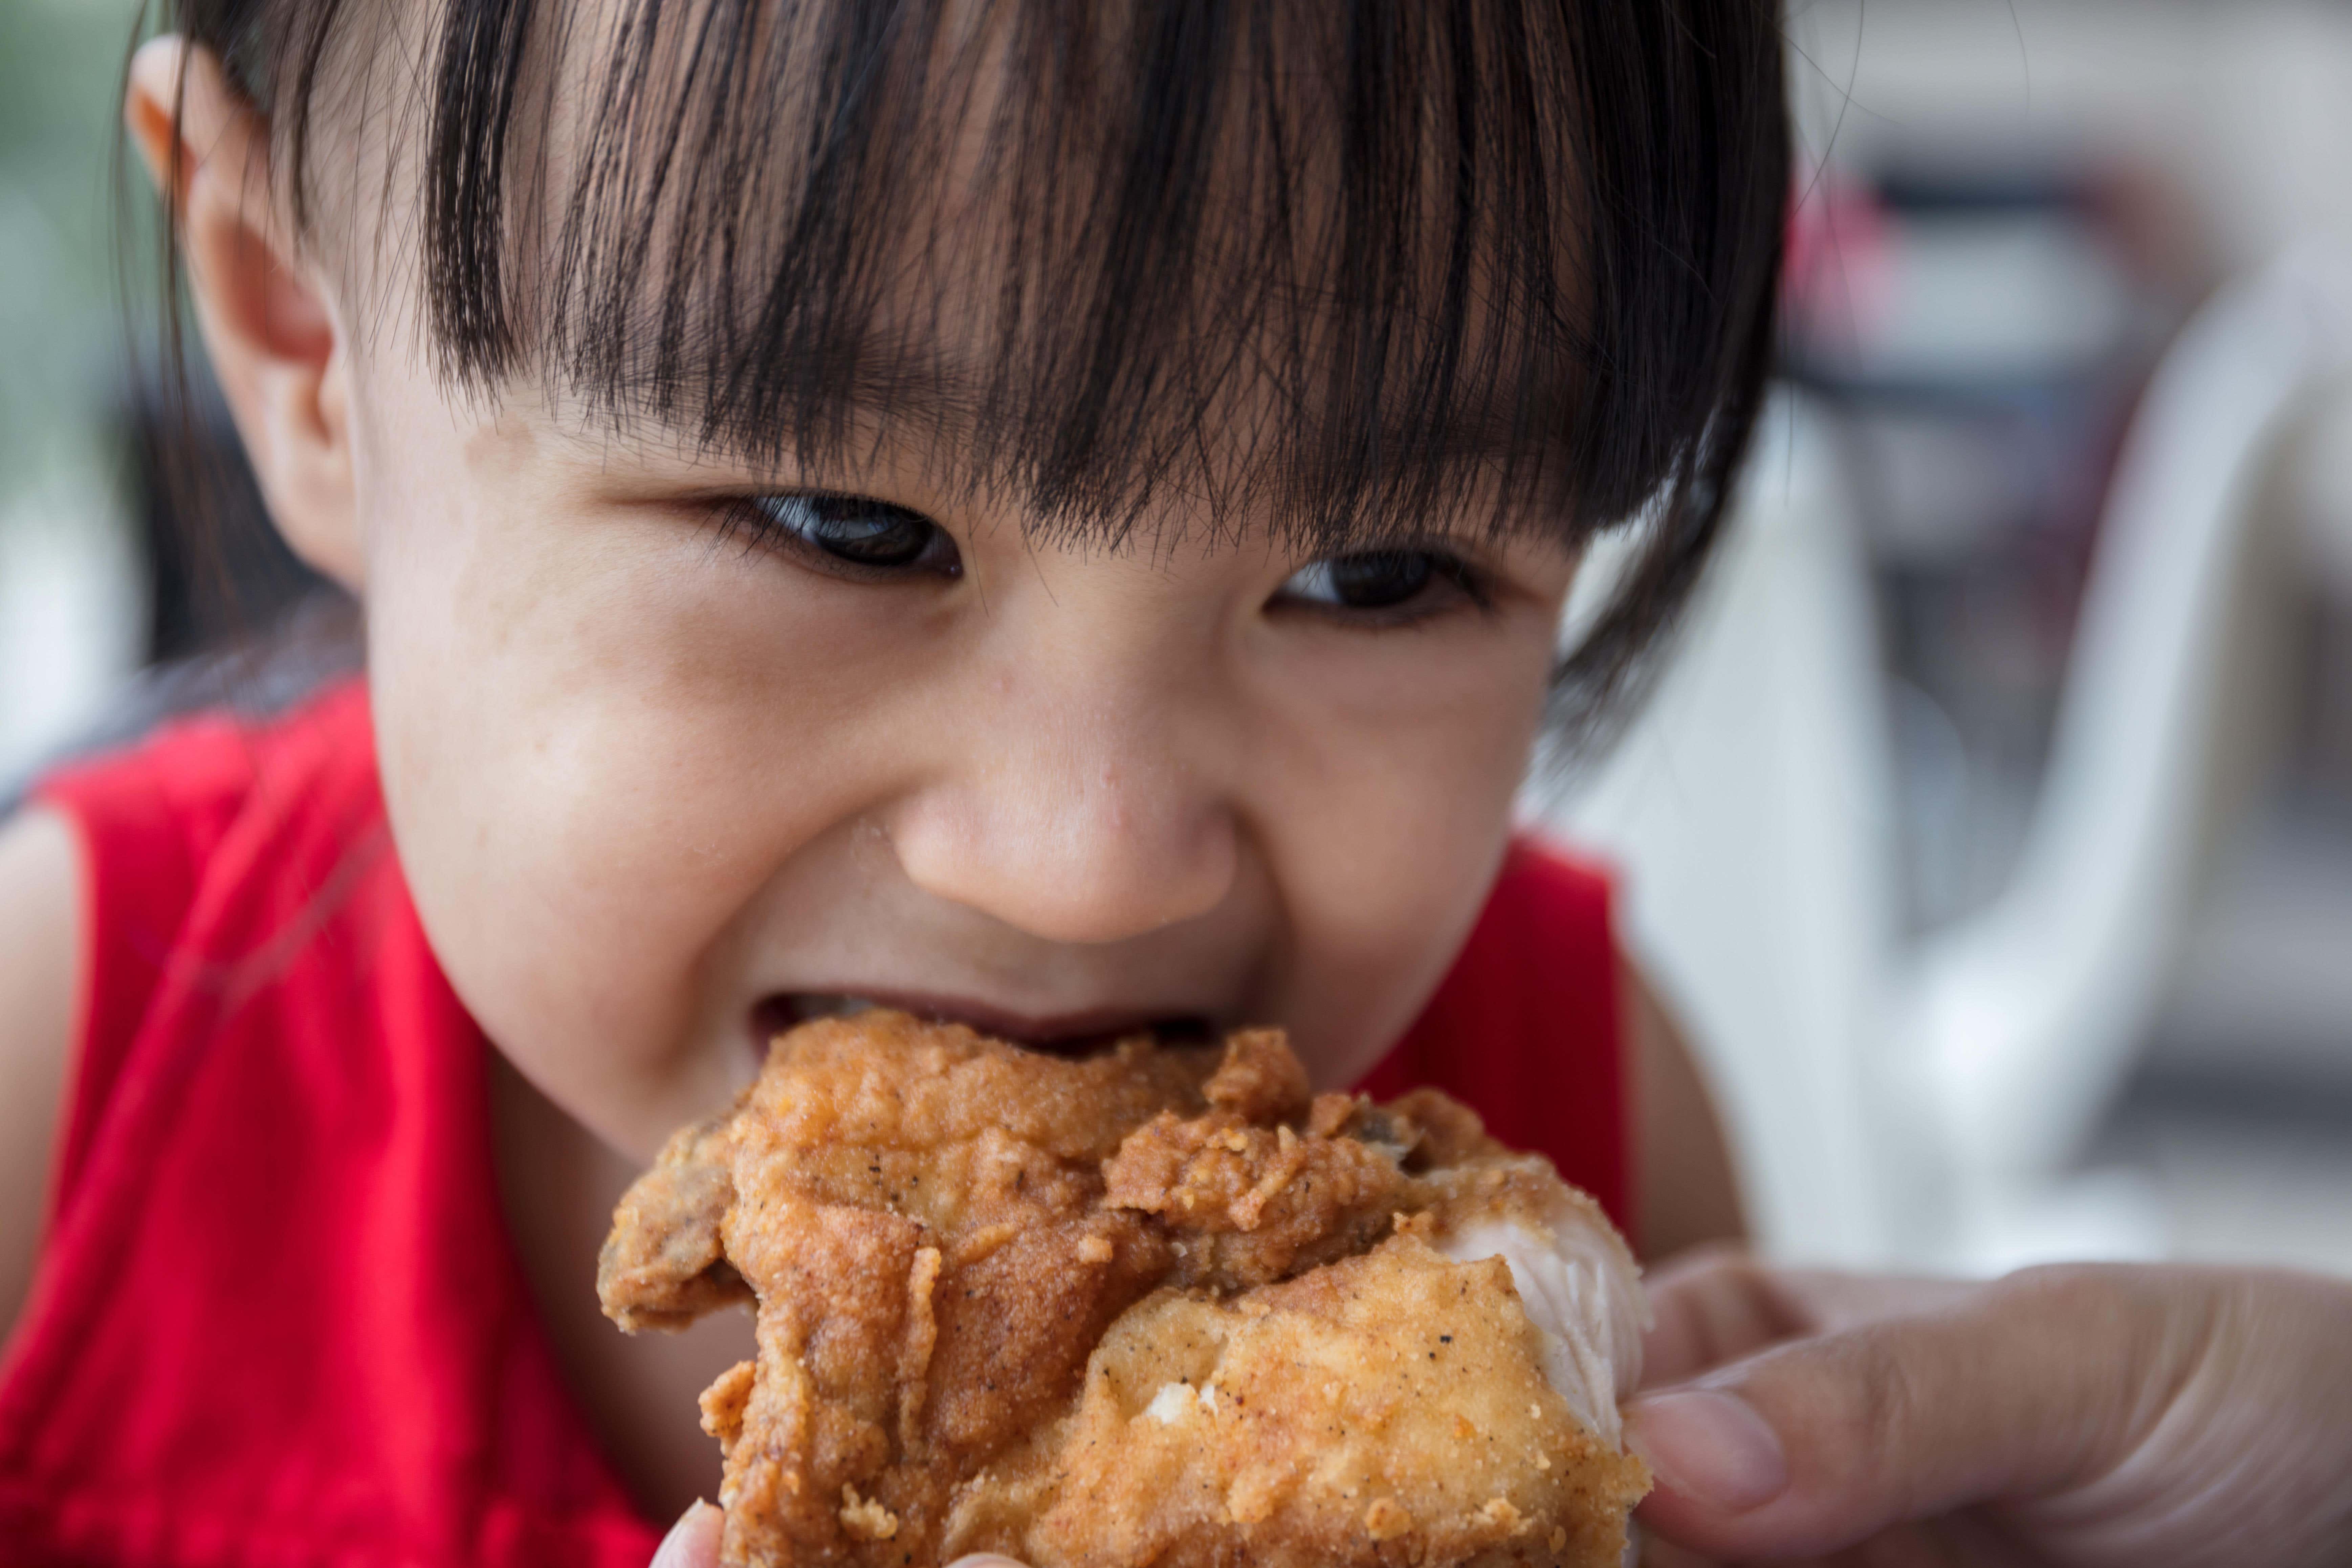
(1390, 794)
(596, 748)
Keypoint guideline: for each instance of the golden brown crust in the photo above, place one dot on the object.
(968, 1259)
(1384, 1408)
(1250, 1204)
(662, 1266)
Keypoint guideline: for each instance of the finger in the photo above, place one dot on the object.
(2026, 1388)
(693, 1541)
(1716, 1305)
(1709, 1306)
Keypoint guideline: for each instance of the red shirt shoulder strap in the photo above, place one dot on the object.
(147, 820)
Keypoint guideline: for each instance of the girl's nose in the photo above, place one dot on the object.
(1074, 834)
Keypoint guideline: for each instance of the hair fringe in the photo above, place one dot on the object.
(1240, 265)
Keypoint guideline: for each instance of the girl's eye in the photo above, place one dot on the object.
(1376, 580)
(865, 535)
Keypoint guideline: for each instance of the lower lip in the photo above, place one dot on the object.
(776, 1014)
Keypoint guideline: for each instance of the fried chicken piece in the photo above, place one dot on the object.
(1159, 1306)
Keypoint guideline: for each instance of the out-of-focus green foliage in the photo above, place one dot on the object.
(60, 336)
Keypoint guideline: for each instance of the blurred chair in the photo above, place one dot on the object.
(1749, 809)
(1916, 1101)
(2027, 1016)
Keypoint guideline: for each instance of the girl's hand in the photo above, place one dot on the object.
(2140, 1417)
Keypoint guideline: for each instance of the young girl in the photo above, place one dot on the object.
(1044, 515)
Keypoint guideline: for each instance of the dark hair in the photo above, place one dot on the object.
(1332, 263)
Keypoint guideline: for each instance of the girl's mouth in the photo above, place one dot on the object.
(1075, 1033)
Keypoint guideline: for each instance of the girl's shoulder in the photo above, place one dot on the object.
(41, 900)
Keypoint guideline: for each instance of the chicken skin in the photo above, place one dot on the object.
(1159, 1306)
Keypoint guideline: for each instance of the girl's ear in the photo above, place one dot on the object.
(280, 355)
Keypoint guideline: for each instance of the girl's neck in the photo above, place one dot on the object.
(558, 1184)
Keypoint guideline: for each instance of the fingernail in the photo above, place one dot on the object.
(693, 1540)
(1709, 1447)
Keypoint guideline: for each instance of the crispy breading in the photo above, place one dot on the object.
(1390, 1407)
(1156, 1306)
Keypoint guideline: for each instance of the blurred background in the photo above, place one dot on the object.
(1991, 827)
(71, 609)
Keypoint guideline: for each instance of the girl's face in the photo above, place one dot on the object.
(668, 764)
(676, 751)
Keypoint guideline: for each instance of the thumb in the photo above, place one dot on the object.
(2021, 1390)
(693, 1541)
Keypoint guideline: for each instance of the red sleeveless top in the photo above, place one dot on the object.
(278, 1319)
